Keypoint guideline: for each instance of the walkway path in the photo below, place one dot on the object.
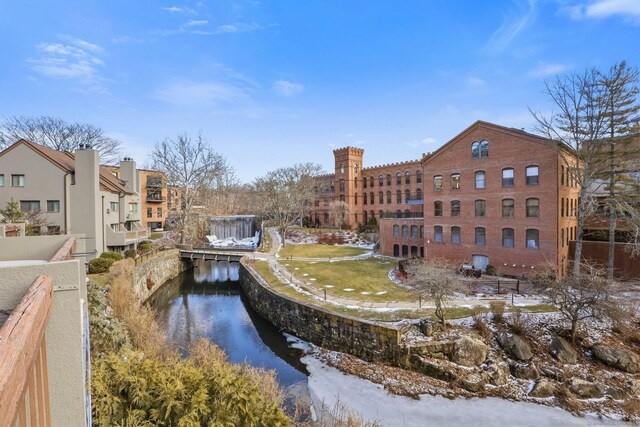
(288, 277)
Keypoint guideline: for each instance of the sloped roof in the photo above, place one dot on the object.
(66, 162)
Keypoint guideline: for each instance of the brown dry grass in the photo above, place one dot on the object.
(144, 331)
(497, 308)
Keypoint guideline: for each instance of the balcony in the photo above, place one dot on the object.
(125, 237)
(155, 182)
(24, 378)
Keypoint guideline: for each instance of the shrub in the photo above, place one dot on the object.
(145, 246)
(519, 324)
(480, 322)
(111, 255)
(130, 253)
(99, 265)
(156, 235)
(497, 309)
(491, 270)
(331, 239)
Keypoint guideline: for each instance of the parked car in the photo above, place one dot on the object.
(468, 270)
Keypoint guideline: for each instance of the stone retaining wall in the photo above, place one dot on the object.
(154, 272)
(370, 341)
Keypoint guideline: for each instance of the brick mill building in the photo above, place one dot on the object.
(492, 196)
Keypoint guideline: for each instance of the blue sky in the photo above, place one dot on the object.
(272, 83)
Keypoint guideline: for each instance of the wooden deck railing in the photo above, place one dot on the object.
(24, 383)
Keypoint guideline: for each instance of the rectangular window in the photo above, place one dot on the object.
(29, 205)
(342, 185)
(113, 206)
(481, 207)
(419, 177)
(159, 212)
(53, 205)
(1, 180)
(507, 237)
(480, 180)
(53, 229)
(533, 239)
(17, 180)
(455, 181)
(507, 177)
(414, 231)
(481, 236)
(507, 208)
(533, 208)
(437, 234)
(437, 183)
(455, 235)
(437, 208)
(389, 197)
(149, 212)
(532, 175)
(133, 208)
(455, 208)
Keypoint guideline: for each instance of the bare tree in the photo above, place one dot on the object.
(58, 134)
(435, 279)
(191, 166)
(578, 297)
(578, 126)
(339, 212)
(623, 113)
(282, 196)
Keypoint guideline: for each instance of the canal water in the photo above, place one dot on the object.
(207, 302)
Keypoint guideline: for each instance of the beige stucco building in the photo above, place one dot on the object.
(74, 194)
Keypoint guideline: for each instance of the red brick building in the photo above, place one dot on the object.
(492, 196)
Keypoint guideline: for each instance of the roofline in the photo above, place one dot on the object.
(31, 146)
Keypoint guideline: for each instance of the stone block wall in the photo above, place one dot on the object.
(370, 341)
(154, 272)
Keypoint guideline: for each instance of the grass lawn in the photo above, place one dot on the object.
(367, 275)
(100, 279)
(319, 251)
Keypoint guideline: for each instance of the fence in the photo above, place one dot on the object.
(497, 286)
(24, 377)
(147, 255)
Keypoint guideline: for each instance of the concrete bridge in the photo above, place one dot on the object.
(212, 254)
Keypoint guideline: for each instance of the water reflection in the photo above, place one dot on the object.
(207, 303)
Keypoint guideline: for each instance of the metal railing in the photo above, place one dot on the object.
(24, 377)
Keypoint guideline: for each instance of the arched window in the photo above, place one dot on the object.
(372, 214)
(437, 234)
(455, 181)
(562, 175)
(418, 194)
(437, 208)
(419, 177)
(364, 198)
(455, 235)
(407, 213)
(407, 196)
(533, 208)
(342, 168)
(380, 198)
(507, 237)
(407, 178)
(380, 214)
(484, 148)
(355, 182)
(507, 208)
(398, 178)
(481, 236)
(326, 217)
(355, 199)
(380, 181)
(398, 196)
(481, 207)
(371, 199)
(396, 250)
(533, 239)
(371, 181)
(389, 196)
(480, 180)
(562, 237)
(355, 169)
(414, 231)
(342, 185)
(364, 182)
(437, 183)
(388, 179)
(398, 213)
(422, 231)
(396, 230)
(532, 175)
(507, 177)
(455, 208)
(475, 150)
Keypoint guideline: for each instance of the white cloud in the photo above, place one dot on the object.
(600, 9)
(76, 60)
(196, 23)
(510, 28)
(175, 9)
(201, 94)
(428, 141)
(238, 27)
(286, 88)
(475, 81)
(546, 70)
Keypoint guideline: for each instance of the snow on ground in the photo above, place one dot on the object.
(328, 385)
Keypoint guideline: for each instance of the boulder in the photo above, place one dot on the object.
(563, 351)
(437, 369)
(551, 372)
(498, 373)
(543, 388)
(472, 382)
(427, 327)
(586, 389)
(620, 358)
(515, 346)
(633, 385)
(469, 351)
(525, 371)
